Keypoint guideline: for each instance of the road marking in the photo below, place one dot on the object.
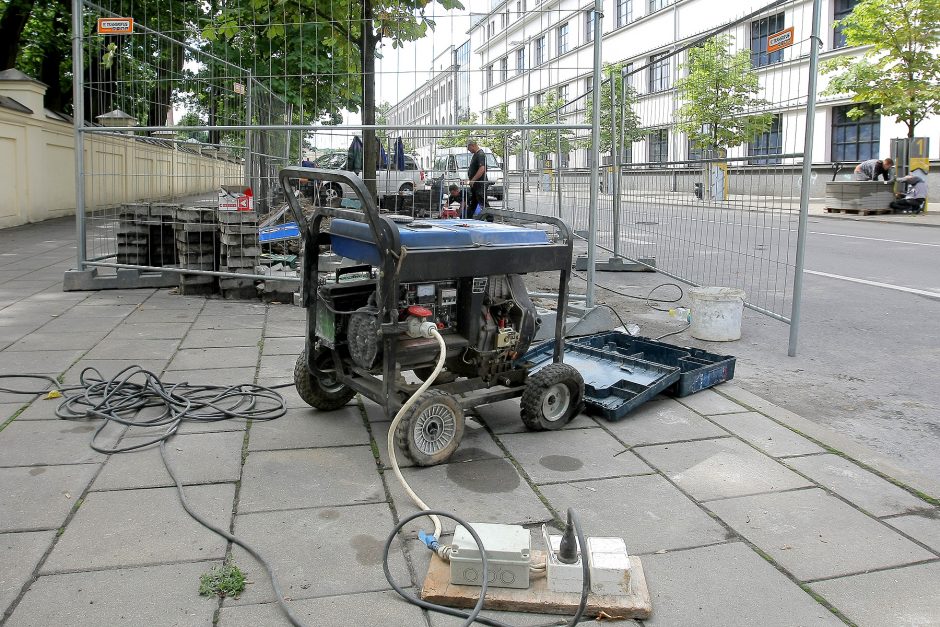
(875, 239)
(889, 286)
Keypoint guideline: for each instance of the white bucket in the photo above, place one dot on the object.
(716, 313)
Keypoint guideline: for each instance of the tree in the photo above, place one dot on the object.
(12, 25)
(502, 142)
(720, 96)
(191, 118)
(45, 51)
(899, 74)
(454, 139)
(545, 142)
(625, 99)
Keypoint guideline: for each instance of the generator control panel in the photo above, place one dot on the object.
(439, 296)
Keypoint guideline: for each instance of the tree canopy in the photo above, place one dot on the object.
(625, 99)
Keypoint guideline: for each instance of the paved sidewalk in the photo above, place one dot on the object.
(738, 517)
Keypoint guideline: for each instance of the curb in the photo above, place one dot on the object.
(831, 216)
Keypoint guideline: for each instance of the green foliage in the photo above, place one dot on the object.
(545, 142)
(719, 94)
(45, 51)
(503, 143)
(625, 99)
(899, 75)
(192, 118)
(222, 581)
(458, 139)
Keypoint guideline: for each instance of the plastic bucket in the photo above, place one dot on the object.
(716, 313)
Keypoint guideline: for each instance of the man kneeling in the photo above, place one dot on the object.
(915, 196)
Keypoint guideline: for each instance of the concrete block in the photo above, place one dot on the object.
(153, 595)
(853, 483)
(48, 442)
(708, 403)
(207, 358)
(662, 420)
(767, 435)
(309, 478)
(721, 468)
(142, 527)
(476, 444)
(572, 454)
(368, 609)
(309, 428)
(814, 535)
(647, 511)
(41, 497)
(318, 552)
(923, 527)
(19, 555)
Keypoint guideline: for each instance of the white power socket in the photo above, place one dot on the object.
(608, 561)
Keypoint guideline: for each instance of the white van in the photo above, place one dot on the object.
(388, 182)
(450, 166)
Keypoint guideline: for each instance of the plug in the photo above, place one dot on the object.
(568, 549)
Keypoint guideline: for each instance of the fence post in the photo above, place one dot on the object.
(595, 154)
(805, 184)
(248, 135)
(615, 160)
(558, 159)
(78, 121)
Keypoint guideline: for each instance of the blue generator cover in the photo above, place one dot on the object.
(353, 240)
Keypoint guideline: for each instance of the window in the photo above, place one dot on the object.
(624, 12)
(489, 76)
(519, 9)
(563, 39)
(768, 144)
(588, 26)
(538, 99)
(840, 9)
(760, 30)
(450, 90)
(854, 140)
(656, 5)
(658, 146)
(659, 73)
(504, 69)
(504, 19)
(588, 84)
(520, 60)
(563, 94)
(519, 111)
(695, 153)
(539, 54)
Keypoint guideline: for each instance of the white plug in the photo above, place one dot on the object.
(608, 561)
(419, 327)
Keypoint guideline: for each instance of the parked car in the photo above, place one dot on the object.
(389, 182)
(450, 166)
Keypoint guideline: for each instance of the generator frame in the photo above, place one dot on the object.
(397, 265)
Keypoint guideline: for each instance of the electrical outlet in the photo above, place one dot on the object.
(608, 561)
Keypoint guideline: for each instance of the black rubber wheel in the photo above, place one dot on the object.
(324, 392)
(432, 429)
(552, 397)
(445, 376)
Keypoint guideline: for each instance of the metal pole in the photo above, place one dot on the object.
(558, 159)
(78, 121)
(524, 184)
(595, 153)
(815, 42)
(249, 113)
(615, 159)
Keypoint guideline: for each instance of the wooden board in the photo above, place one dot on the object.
(537, 598)
(862, 212)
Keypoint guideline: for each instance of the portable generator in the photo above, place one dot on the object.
(456, 280)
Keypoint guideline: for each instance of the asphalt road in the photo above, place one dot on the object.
(868, 362)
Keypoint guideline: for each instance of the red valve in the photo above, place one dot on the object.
(419, 311)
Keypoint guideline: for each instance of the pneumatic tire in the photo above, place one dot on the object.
(324, 392)
(552, 397)
(431, 430)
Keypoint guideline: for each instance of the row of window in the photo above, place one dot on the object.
(438, 95)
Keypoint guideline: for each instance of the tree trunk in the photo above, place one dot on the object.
(369, 144)
(11, 30)
(54, 63)
(161, 97)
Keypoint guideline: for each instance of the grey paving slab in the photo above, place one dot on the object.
(207, 358)
(368, 609)
(12, 334)
(728, 585)
(286, 312)
(214, 376)
(712, 469)
(309, 428)
(286, 328)
(923, 527)
(111, 367)
(571, 454)
(662, 420)
(647, 511)
(767, 435)
(236, 321)
(8, 409)
(814, 535)
(853, 483)
(41, 409)
(41, 497)
(145, 315)
(221, 338)
(144, 350)
(118, 297)
(50, 362)
(142, 528)
(477, 443)
(48, 443)
(196, 458)
(309, 478)
(154, 595)
(318, 552)
(292, 346)
(74, 323)
(900, 596)
(228, 308)
(277, 366)
(19, 555)
(709, 402)
(58, 341)
(165, 300)
(150, 331)
(503, 417)
(102, 311)
(483, 490)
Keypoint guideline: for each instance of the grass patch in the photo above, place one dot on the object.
(226, 580)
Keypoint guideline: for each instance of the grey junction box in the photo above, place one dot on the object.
(507, 550)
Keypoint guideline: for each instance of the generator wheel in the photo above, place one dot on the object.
(552, 397)
(431, 430)
(324, 392)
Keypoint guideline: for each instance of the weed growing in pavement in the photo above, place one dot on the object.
(223, 581)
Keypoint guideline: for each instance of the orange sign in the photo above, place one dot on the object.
(781, 40)
(115, 25)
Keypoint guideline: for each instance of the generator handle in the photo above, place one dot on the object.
(338, 176)
(563, 228)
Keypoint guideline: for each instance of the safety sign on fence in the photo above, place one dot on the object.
(781, 40)
(115, 25)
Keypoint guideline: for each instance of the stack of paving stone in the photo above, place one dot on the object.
(133, 234)
(162, 245)
(197, 244)
(863, 197)
(241, 251)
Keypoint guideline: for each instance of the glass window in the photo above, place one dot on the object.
(768, 144)
(659, 72)
(519, 111)
(520, 60)
(563, 94)
(656, 5)
(588, 84)
(504, 69)
(539, 56)
(760, 30)
(489, 76)
(588, 26)
(624, 12)
(854, 140)
(563, 39)
(695, 153)
(658, 146)
(840, 9)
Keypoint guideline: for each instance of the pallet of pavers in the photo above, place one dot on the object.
(240, 252)
(133, 234)
(858, 197)
(197, 245)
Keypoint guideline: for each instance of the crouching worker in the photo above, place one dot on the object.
(916, 195)
(454, 203)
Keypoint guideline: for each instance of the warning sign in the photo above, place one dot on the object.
(239, 89)
(236, 198)
(115, 25)
(781, 40)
